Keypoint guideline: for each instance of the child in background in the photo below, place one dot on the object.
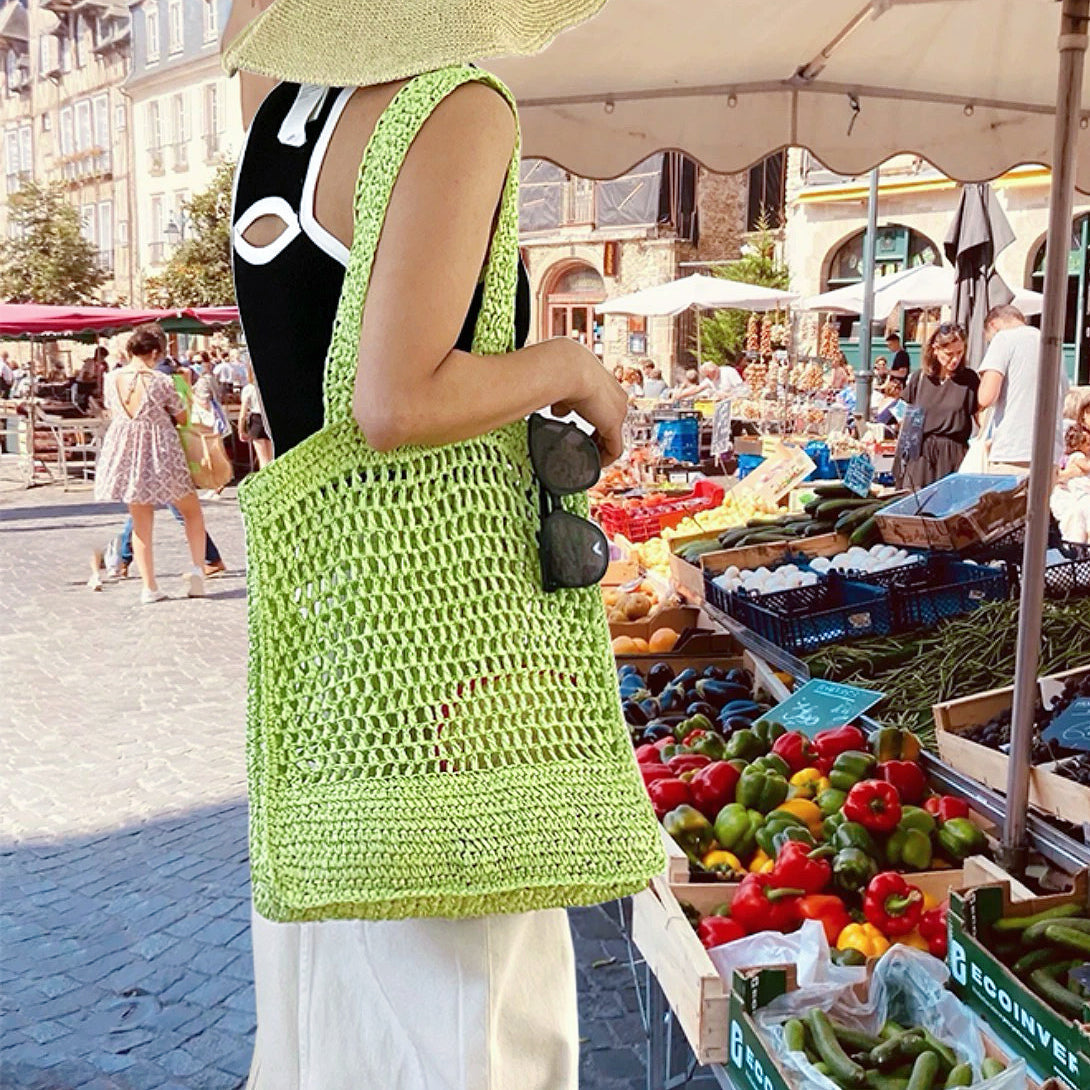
(1071, 497)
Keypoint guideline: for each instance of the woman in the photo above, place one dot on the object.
(946, 390)
(424, 1002)
(251, 421)
(840, 376)
(888, 407)
(142, 462)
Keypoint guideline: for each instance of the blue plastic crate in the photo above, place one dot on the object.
(943, 587)
(679, 439)
(806, 618)
(747, 463)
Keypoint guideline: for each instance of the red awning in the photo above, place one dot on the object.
(37, 320)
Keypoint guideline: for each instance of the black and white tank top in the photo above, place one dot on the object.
(288, 290)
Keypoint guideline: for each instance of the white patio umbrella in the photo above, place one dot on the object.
(974, 86)
(924, 286)
(702, 292)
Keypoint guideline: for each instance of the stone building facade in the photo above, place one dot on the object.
(65, 119)
(826, 219)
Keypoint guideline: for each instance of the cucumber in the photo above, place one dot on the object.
(1035, 959)
(833, 491)
(865, 535)
(851, 519)
(904, 1046)
(991, 1067)
(877, 1081)
(1035, 933)
(1046, 985)
(841, 1067)
(1020, 923)
(962, 1075)
(834, 508)
(924, 1071)
(853, 1040)
(1069, 938)
(890, 1029)
(794, 1035)
(816, 529)
(947, 1056)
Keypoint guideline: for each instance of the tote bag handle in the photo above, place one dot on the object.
(386, 150)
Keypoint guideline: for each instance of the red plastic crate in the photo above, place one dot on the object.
(643, 523)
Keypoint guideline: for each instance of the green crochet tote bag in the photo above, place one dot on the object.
(428, 732)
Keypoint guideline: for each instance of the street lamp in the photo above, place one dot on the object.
(175, 228)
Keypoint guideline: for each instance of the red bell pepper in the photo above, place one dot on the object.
(668, 794)
(908, 777)
(713, 787)
(687, 762)
(874, 804)
(650, 773)
(759, 905)
(830, 744)
(892, 905)
(647, 754)
(828, 910)
(932, 927)
(716, 930)
(944, 807)
(796, 749)
(800, 865)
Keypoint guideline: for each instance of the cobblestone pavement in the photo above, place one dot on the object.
(124, 912)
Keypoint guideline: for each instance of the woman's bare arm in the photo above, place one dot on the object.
(412, 385)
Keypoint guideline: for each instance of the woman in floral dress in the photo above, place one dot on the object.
(142, 462)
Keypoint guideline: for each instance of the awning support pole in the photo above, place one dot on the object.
(864, 375)
(1072, 50)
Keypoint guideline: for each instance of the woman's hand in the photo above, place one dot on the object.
(601, 402)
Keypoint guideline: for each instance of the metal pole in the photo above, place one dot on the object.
(1072, 50)
(863, 374)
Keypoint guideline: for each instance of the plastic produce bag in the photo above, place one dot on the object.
(907, 986)
(807, 949)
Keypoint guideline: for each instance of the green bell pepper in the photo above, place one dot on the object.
(772, 762)
(690, 829)
(850, 768)
(711, 745)
(694, 722)
(768, 731)
(780, 835)
(853, 869)
(774, 825)
(833, 822)
(830, 801)
(916, 817)
(959, 838)
(850, 834)
(761, 789)
(909, 848)
(736, 829)
(674, 749)
(745, 744)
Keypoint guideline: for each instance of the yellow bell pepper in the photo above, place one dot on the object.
(718, 859)
(805, 810)
(915, 940)
(761, 863)
(864, 937)
(809, 776)
(929, 902)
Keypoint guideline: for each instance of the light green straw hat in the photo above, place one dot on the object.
(355, 43)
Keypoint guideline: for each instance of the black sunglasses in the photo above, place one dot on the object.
(950, 328)
(573, 551)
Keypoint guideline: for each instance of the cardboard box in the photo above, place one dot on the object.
(1052, 1045)
(676, 617)
(1048, 791)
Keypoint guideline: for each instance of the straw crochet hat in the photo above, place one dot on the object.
(355, 43)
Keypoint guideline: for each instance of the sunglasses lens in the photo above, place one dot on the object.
(564, 458)
(574, 552)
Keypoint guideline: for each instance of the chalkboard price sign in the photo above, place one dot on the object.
(819, 705)
(721, 439)
(910, 437)
(1071, 728)
(859, 475)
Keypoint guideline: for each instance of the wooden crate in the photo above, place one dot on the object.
(676, 617)
(690, 579)
(1048, 791)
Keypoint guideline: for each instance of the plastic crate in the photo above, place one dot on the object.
(1066, 578)
(679, 439)
(747, 463)
(805, 618)
(643, 523)
(942, 587)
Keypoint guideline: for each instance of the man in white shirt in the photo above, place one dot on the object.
(1008, 380)
(7, 376)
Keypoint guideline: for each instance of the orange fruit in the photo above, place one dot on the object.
(662, 639)
(624, 645)
(641, 646)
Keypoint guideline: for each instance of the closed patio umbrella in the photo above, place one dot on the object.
(978, 233)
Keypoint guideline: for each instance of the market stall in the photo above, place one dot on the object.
(837, 78)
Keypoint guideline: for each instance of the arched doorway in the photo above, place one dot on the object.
(1076, 348)
(897, 247)
(572, 291)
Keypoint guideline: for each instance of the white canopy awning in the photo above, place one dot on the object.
(970, 85)
(922, 286)
(703, 292)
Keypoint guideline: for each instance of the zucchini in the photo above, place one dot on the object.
(1020, 923)
(890, 1029)
(907, 1045)
(924, 1071)
(794, 1035)
(865, 535)
(877, 1081)
(1047, 986)
(817, 528)
(1035, 959)
(851, 519)
(834, 508)
(854, 1040)
(1035, 933)
(1069, 938)
(833, 491)
(947, 1056)
(991, 1067)
(841, 1067)
(962, 1075)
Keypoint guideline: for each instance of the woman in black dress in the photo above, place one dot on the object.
(946, 390)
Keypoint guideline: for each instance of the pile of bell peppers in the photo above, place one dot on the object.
(813, 828)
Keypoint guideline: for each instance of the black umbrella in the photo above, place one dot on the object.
(979, 233)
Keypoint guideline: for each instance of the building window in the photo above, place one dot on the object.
(106, 235)
(176, 32)
(155, 138)
(151, 28)
(897, 248)
(26, 150)
(767, 203)
(123, 233)
(79, 42)
(68, 139)
(211, 20)
(11, 160)
(212, 121)
(87, 222)
(180, 140)
(157, 225)
(1076, 338)
(101, 104)
(571, 294)
(84, 126)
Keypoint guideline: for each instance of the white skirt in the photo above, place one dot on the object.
(435, 1004)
